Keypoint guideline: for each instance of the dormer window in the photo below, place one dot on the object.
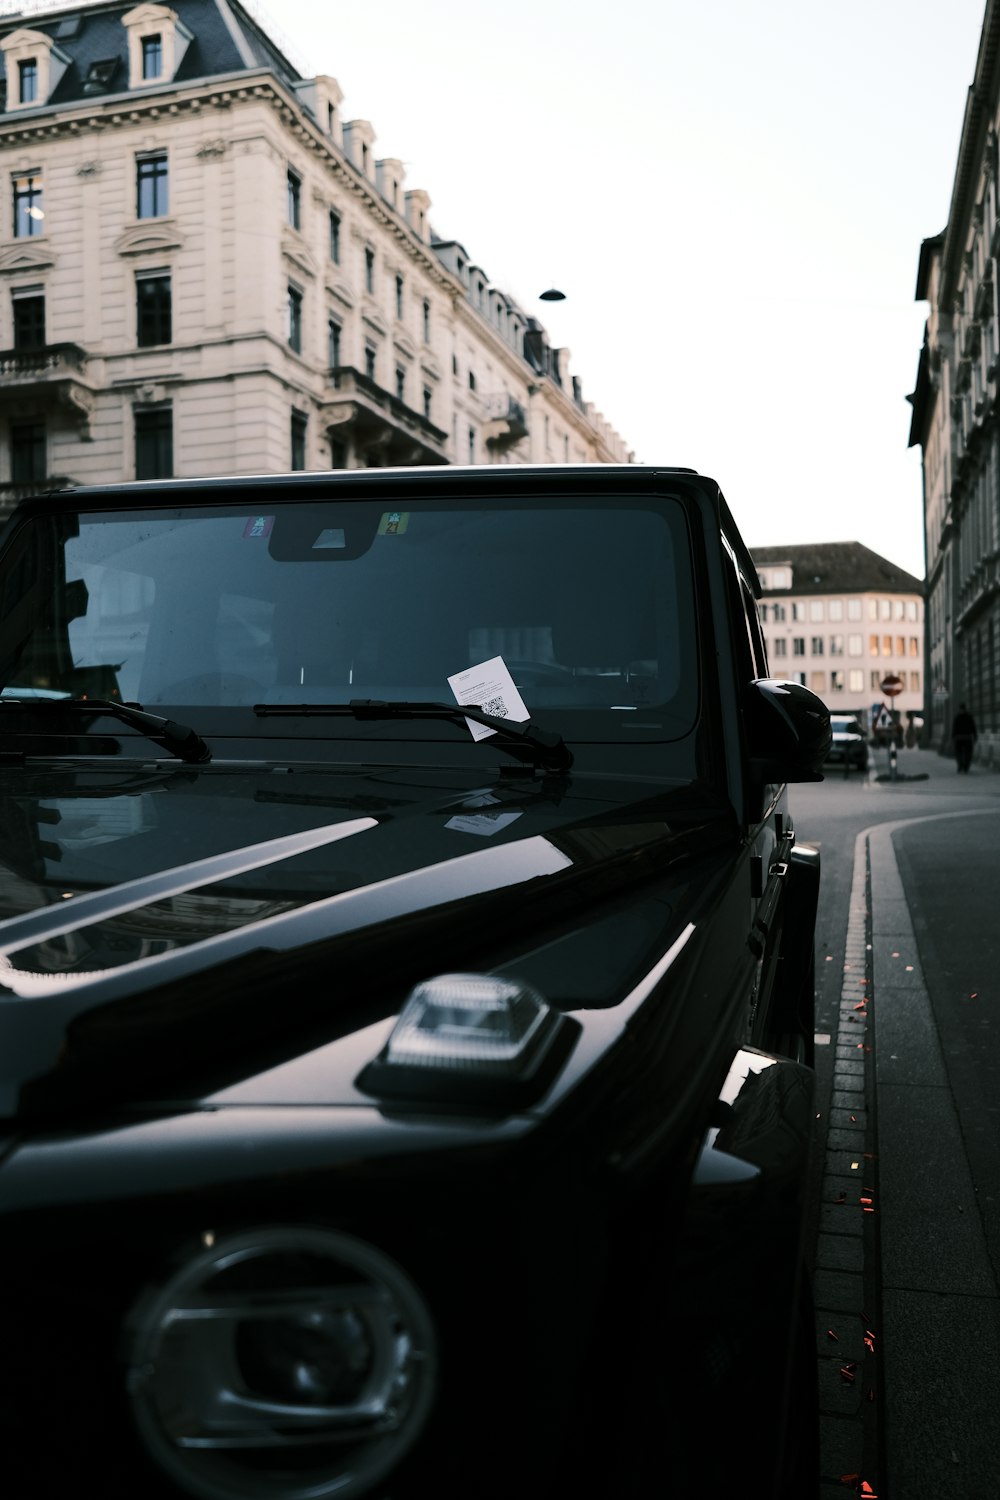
(27, 71)
(33, 65)
(157, 42)
(152, 56)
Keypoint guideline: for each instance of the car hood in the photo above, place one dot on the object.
(154, 922)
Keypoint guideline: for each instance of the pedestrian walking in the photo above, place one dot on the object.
(963, 736)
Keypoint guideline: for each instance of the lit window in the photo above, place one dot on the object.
(151, 196)
(29, 216)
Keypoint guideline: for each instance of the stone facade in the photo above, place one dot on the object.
(955, 423)
(205, 269)
(839, 618)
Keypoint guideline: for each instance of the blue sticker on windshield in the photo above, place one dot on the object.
(258, 526)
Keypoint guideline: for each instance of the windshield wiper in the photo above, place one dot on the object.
(523, 740)
(179, 739)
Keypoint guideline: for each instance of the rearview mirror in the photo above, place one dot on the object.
(788, 728)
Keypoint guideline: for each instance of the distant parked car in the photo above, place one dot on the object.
(849, 743)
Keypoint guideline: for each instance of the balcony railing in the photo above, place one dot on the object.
(383, 427)
(506, 421)
(51, 361)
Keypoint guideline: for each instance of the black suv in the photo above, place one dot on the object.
(406, 992)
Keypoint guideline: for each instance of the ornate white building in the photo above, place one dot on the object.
(204, 268)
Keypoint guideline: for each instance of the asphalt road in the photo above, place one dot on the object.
(906, 1203)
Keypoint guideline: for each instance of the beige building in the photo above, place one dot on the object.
(954, 421)
(205, 268)
(839, 618)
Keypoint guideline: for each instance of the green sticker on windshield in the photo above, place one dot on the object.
(393, 522)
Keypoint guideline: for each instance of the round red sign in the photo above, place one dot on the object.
(891, 685)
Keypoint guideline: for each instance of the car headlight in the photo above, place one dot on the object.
(281, 1364)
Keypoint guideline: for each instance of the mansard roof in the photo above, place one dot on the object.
(836, 568)
(90, 34)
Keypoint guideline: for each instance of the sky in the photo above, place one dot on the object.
(732, 195)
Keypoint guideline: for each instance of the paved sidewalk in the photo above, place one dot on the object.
(908, 1314)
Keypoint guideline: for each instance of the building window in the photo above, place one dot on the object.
(27, 453)
(427, 402)
(856, 644)
(29, 319)
(153, 308)
(27, 72)
(294, 319)
(369, 270)
(873, 645)
(817, 681)
(854, 609)
(294, 199)
(333, 343)
(856, 680)
(154, 443)
(29, 216)
(454, 364)
(335, 237)
(876, 682)
(914, 682)
(799, 645)
(338, 454)
(399, 296)
(427, 322)
(472, 382)
(780, 646)
(817, 645)
(400, 383)
(300, 424)
(887, 645)
(836, 609)
(836, 682)
(472, 445)
(778, 613)
(914, 645)
(370, 361)
(152, 56)
(798, 611)
(900, 645)
(151, 197)
(816, 609)
(836, 645)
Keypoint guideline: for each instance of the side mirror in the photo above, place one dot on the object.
(788, 730)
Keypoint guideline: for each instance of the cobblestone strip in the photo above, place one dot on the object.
(847, 1241)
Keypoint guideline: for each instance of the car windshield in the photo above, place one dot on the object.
(587, 600)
